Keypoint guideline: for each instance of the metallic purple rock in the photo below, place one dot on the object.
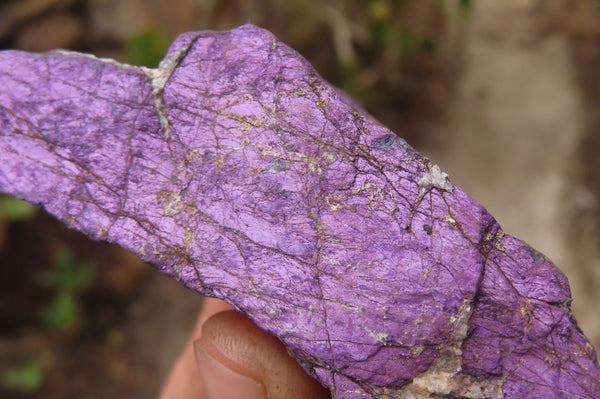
(237, 169)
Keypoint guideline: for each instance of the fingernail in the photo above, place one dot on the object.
(221, 382)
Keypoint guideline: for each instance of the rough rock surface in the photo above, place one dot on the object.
(235, 168)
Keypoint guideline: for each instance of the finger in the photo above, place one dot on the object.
(221, 382)
(237, 346)
(183, 380)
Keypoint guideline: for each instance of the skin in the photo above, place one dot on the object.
(227, 356)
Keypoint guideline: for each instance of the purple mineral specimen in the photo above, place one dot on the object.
(235, 168)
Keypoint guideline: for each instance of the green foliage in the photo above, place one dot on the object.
(69, 278)
(380, 21)
(62, 312)
(12, 209)
(68, 275)
(465, 5)
(387, 31)
(409, 44)
(147, 48)
(26, 377)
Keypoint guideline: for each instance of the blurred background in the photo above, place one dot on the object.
(503, 95)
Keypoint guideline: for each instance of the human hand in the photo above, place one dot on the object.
(229, 357)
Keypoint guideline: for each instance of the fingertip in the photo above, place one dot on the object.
(234, 341)
(224, 383)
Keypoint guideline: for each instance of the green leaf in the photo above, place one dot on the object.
(147, 48)
(62, 312)
(26, 377)
(12, 209)
(68, 274)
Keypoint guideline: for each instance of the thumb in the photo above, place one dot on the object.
(238, 359)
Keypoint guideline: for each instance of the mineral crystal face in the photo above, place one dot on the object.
(235, 168)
